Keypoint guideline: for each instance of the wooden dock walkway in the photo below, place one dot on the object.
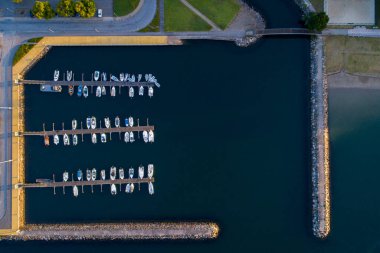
(88, 131)
(53, 184)
(87, 83)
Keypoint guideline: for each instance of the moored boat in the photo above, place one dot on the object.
(141, 90)
(88, 122)
(56, 75)
(121, 173)
(74, 124)
(126, 122)
(150, 91)
(69, 75)
(56, 139)
(113, 91)
(88, 175)
(141, 172)
(113, 189)
(128, 188)
(103, 174)
(96, 75)
(103, 138)
(113, 173)
(150, 170)
(46, 140)
(80, 90)
(131, 137)
(66, 140)
(94, 138)
(151, 189)
(131, 172)
(93, 174)
(104, 76)
(93, 122)
(71, 90)
(114, 78)
(121, 77)
(130, 120)
(131, 92)
(117, 121)
(139, 78)
(79, 175)
(75, 191)
(104, 92)
(75, 139)
(107, 122)
(85, 91)
(65, 176)
(151, 136)
(126, 137)
(98, 92)
(145, 136)
(132, 187)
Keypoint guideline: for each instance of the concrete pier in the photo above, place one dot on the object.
(120, 231)
(320, 142)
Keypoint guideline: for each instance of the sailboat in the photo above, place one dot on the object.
(104, 76)
(141, 172)
(69, 75)
(150, 170)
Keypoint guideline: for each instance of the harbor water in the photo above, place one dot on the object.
(232, 141)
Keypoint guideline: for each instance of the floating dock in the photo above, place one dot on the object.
(87, 83)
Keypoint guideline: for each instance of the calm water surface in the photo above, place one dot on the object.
(232, 146)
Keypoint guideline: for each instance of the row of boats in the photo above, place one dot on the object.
(91, 175)
(102, 91)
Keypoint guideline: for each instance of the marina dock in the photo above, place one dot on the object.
(86, 83)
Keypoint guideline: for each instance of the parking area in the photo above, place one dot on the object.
(10, 9)
(350, 12)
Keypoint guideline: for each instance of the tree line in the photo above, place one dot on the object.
(65, 8)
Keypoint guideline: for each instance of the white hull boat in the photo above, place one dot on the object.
(130, 121)
(117, 121)
(56, 139)
(131, 137)
(114, 78)
(88, 175)
(151, 189)
(75, 191)
(103, 138)
(145, 136)
(107, 122)
(103, 174)
(150, 170)
(56, 75)
(150, 91)
(131, 92)
(98, 92)
(66, 140)
(126, 137)
(69, 75)
(132, 187)
(113, 173)
(104, 76)
(96, 75)
(93, 174)
(121, 173)
(151, 136)
(128, 188)
(121, 77)
(88, 122)
(131, 172)
(113, 189)
(141, 91)
(104, 92)
(113, 91)
(94, 139)
(85, 91)
(93, 122)
(65, 176)
(141, 172)
(74, 124)
(75, 139)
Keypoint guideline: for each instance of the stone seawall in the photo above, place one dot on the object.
(120, 231)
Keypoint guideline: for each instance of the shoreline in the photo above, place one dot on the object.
(344, 80)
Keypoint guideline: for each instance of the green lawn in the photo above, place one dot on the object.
(180, 18)
(24, 49)
(124, 7)
(318, 4)
(221, 12)
(154, 26)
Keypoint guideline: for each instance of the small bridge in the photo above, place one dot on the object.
(284, 31)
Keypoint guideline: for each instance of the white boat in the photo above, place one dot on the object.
(132, 187)
(114, 78)
(121, 77)
(104, 92)
(131, 137)
(66, 140)
(133, 78)
(56, 139)
(96, 75)
(75, 139)
(65, 176)
(104, 76)
(150, 91)
(117, 121)
(79, 175)
(103, 174)
(88, 175)
(146, 77)
(88, 122)
(69, 75)
(93, 174)
(139, 78)
(98, 92)
(93, 122)
(56, 75)
(126, 77)
(113, 189)
(126, 137)
(94, 138)
(113, 91)
(151, 136)
(74, 124)
(103, 138)
(121, 173)
(128, 188)
(107, 122)
(130, 120)
(131, 172)
(131, 92)
(113, 173)
(145, 136)
(75, 191)
(151, 189)
(141, 172)
(150, 170)
(85, 91)
(141, 91)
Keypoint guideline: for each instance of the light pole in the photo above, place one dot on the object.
(5, 108)
(9, 161)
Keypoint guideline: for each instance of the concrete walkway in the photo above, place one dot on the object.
(200, 14)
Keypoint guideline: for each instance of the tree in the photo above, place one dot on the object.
(316, 21)
(43, 10)
(66, 8)
(85, 8)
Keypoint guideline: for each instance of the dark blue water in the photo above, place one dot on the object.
(232, 146)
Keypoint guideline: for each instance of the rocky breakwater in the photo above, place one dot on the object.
(120, 231)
